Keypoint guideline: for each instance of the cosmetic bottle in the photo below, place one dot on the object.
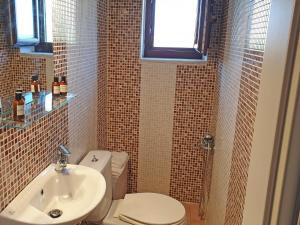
(19, 107)
(35, 85)
(63, 86)
(55, 87)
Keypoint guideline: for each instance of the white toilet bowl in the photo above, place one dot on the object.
(135, 209)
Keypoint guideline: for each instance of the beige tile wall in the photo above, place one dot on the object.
(76, 37)
(157, 100)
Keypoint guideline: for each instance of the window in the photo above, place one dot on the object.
(258, 21)
(31, 24)
(177, 28)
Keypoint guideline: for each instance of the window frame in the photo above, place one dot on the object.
(200, 42)
(43, 46)
(39, 21)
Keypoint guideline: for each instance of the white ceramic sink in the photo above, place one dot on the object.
(76, 192)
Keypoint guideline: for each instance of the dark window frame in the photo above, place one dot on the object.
(202, 33)
(39, 23)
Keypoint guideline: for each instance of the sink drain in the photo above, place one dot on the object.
(55, 213)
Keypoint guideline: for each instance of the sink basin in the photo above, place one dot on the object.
(70, 196)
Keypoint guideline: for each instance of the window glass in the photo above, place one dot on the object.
(24, 19)
(175, 22)
(258, 24)
(48, 7)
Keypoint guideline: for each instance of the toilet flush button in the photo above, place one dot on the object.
(94, 159)
(11, 212)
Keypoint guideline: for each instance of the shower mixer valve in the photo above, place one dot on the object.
(208, 142)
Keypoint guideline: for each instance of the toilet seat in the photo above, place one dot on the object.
(150, 209)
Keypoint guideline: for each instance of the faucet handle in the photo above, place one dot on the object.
(63, 150)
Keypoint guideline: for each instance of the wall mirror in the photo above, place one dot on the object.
(26, 46)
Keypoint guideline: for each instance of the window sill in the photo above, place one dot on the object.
(28, 52)
(174, 61)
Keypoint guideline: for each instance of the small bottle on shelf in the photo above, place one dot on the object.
(19, 107)
(63, 86)
(55, 87)
(35, 85)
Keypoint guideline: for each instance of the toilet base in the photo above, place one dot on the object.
(110, 219)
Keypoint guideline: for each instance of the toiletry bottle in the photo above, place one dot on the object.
(63, 86)
(19, 107)
(55, 87)
(35, 85)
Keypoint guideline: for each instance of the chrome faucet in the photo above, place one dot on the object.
(63, 158)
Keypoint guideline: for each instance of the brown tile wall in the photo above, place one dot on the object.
(123, 81)
(194, 116)
(102, 73)
(119, 99)
(25, 153)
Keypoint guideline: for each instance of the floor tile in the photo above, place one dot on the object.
(187, 212)
(192, 213)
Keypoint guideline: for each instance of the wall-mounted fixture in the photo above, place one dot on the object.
(208, 144)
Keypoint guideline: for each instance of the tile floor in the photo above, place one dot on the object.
(192, 214)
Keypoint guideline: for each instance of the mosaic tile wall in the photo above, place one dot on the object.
(123, 81)
(102, 73)
(16, 70)
(25, 153)
(76, 53)
(194, 100)
(24, 67)
(240, 71)
(5, 84)
(157, 101)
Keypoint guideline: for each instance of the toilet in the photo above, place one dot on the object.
(126, 209)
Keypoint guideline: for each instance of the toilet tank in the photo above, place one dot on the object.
(101, 161)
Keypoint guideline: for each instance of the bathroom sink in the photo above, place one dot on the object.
(69, 196)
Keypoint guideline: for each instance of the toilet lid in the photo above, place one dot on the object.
(152, 208)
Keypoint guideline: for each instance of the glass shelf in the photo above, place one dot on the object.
(36, 107)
